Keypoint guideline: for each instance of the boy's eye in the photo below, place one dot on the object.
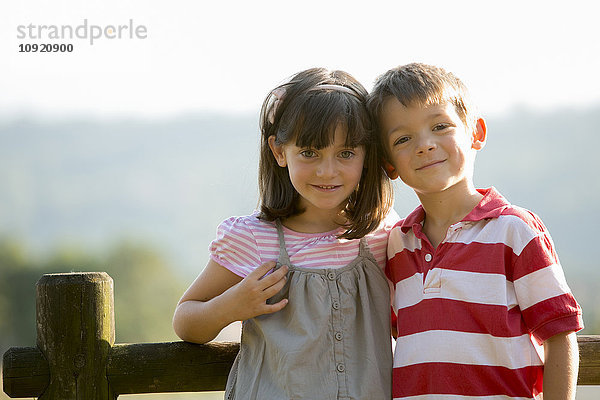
(308, 153)
(439, 127)
(347, 154)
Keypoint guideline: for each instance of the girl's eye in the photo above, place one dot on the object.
(308, 153)
(347, 154)
(401, 140)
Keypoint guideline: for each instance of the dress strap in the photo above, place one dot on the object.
(284, 258)
(363, 249)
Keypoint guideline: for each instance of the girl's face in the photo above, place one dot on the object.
(324, 178)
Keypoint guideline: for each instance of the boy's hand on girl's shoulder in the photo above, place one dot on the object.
(251, 293)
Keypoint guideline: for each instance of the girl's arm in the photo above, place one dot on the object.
(219, 297)
(561, 366)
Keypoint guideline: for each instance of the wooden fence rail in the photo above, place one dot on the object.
(76, 357)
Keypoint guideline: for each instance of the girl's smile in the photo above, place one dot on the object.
(327, 188)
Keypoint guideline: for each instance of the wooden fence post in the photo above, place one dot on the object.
(75, 332)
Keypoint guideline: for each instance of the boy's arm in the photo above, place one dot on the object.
(218, 297)
(561, 366)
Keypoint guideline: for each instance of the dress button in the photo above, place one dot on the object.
(428, 257)
(339, 335)
(331, 276)
(336, 305)
(340, 367)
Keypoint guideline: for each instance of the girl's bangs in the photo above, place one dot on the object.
(319, 117)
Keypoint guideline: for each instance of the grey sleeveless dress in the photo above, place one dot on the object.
(331, 341)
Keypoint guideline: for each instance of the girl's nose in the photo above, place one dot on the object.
(327, 167)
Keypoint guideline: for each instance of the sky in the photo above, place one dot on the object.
(224, 57)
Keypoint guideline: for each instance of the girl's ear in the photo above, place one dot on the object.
(277, 151)
(479, 135)
(390, 170)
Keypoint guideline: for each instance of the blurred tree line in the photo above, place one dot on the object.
(146, 289)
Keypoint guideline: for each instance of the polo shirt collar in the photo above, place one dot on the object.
(491, 206)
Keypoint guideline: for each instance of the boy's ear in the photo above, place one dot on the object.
(277, 151)
(390, 170)
(479, 135)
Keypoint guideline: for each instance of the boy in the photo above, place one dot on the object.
(482, 305)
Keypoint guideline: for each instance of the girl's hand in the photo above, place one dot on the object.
(249, 297)
(219, 297)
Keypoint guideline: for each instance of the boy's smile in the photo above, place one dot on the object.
(429, 146)
(431, 164)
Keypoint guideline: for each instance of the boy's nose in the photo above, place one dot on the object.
(426, 144)
(426, 149)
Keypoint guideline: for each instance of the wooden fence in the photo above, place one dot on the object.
(76, 357)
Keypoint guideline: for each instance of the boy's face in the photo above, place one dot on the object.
(430, 147)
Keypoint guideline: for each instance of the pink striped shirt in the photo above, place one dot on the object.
(472, 314)
(244, 243)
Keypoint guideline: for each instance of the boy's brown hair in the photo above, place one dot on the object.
(422, 85)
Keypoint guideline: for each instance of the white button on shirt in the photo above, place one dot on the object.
(428, 257)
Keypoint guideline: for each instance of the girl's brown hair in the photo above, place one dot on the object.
(302, 111)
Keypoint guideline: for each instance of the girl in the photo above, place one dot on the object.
(316, 323)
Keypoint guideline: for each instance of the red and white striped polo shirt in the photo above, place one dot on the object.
(473, 313)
